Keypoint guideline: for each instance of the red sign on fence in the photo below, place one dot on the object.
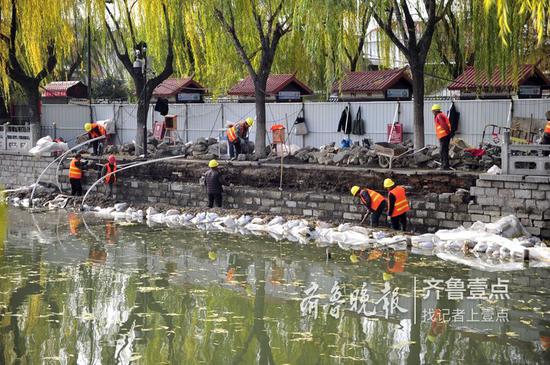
(158, 131)
(395, 135)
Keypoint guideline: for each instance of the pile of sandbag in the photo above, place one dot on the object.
(48, 145)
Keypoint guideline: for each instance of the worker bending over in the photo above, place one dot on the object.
(398, 205)
(443, 133)
(214, 181)
(95, 130)
(373, 201)
(546, 134)
(238, 134)
(76, 174)
(109, 172)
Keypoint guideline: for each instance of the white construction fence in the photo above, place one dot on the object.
(208, 120)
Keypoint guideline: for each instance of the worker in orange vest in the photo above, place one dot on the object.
(398, 205)
(95, 130)
(373, 201)
(443, 133)
(546, 134)
(238, 134)
(76, 174)
(109, 172)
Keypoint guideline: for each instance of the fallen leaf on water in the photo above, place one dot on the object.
(219, 330)
(511, 334)
(402, 344)
(148, 289)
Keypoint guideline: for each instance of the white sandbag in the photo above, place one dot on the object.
(244, 220)
(228, 222)
(360, 229)
(119, 207)
(156, 218)
(211, 217)
(509, 227)
(539, 254)
(186, 217)
(257, 221)
(276, 229)
(252, 227)
(151, 211)
(199, 218)
(44, 141)
(494, 170)
(172, 212)
(108, 124)
(276, 221)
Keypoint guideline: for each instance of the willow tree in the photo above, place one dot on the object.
(145, 34)
(255, 29)
(508, 33)
(413, 40)
(31, 39)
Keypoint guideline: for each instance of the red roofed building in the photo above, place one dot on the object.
(184, 90)
(280, 88)
(60, 92)
(528, 83)
(374, 85)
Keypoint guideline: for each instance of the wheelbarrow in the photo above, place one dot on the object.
(389, 152)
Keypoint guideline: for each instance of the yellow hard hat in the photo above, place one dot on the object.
(436, 107)
(212, 255)
(354, 258)
(249, 121)
(388, 183)
(355, 190)
(88, 127)
(387, 276)
(213, 163)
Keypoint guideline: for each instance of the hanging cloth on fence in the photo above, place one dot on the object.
(344, 125)
(300, 124)
(454, 118)
(358, 127)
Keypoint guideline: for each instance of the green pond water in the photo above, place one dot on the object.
(85, 291)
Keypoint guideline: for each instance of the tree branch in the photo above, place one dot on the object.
(229, 26)
(119, 31)
(400, 23)
(50, 63)
(258, 21)
(386, 27)
(130, 23)
(411, 27)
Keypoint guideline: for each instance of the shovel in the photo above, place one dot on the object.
(365, 217)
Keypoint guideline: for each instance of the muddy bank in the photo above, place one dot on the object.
(298, 177)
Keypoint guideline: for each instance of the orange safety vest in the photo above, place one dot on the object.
(439, 130)
(231, 134)
(242, 129)
(401, 203)
(547, 128)
(107, 176)
(74, 222)
(74, 172)
(97, 131)
(375, 199)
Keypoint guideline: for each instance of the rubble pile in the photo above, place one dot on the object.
(201, 149)
(462, 156)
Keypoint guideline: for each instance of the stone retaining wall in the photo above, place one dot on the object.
(528, 197)
(491, 198)
(22, 169)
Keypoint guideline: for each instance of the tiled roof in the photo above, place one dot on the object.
(275, 83)
(171, 87)
(58, 88)
(473, 79)
(370, 81)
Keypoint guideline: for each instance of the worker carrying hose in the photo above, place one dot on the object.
(76, 174)
(443, 133)
(214, 181)
(110, 179)
(95, 130)
(546, 134)
(373, 201)
(238, 134)
(398, 205)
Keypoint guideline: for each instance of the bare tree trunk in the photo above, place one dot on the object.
(142, 111)
(259, 93)
(418, 103)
